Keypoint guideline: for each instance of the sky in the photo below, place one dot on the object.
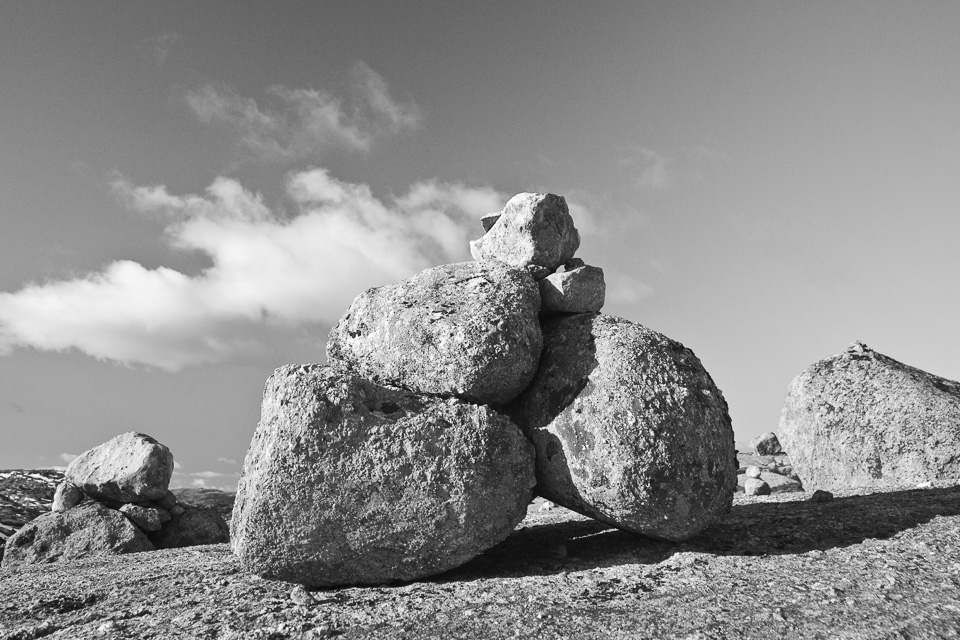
(191, 194)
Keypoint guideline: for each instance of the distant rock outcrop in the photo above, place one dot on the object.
(863, 419)
(766, 444)
(349, 482)
(467, 330)
(629, 428)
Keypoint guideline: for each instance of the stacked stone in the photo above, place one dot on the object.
(115, 499)
(406, 455)
(768, 470)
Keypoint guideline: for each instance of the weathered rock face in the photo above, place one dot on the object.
(192, 526)
(468, 329)
(89, 529)
(766, 444)
(349, 482)
(629, 428)
(534, 228)
(578, 290)
(132, 467)
(862, 419)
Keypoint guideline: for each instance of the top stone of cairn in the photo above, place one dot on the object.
(533, 229)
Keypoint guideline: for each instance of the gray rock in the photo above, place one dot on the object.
(629, 428)
(861, 419)
(776, 482)
(756, 487)
(66, 497)
(820, 496)
(88, 529)
(348, 482)
(468, 329)
(147, 518)
(753, 472)
(192, 526)
(132, 467)
(534, 228)
(176, 510)
(489, 220)
(766, 444)
(168, 501)
(579, 290)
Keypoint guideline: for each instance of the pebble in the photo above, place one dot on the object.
(302, 597)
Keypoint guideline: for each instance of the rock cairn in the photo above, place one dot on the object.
(860, 419)
(449, 395)
(115, 499)
(767, 469)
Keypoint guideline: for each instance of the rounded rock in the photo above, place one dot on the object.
(132, 467)
(629, 428)
(349, 482)
(468, 329)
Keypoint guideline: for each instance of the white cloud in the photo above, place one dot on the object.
(162, 45)
(68, 457)
(625, 290)
(226, 461)
(198, 482)
(213, 474)
(653, 172)
(301, 122)
(300, 269)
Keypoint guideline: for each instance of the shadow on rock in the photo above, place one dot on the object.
(762, 528)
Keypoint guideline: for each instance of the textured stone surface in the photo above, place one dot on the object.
(468, 329)
(132, 467)
(66, 497)
(756, 487)
(766, 444)
(89, 529)
(776, 482)
(348, 482)
(534, 228)
(863, 419)
(147, 518)
(578, 290)
(190, 527)
(629, 428)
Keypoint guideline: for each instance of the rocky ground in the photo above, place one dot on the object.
(880, 565)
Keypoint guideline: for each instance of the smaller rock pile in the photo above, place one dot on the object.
(768, 470)
(115, 499)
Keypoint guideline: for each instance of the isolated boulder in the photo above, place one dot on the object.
(628, 427)
(863, 419)
(132, 467)
(190, 527)
(533, 229)
(576, 290)
(468, 329)
(89, 529)
(348, 482)
(756, 487)
(766, 444)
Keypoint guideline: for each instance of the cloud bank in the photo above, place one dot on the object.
(268, 269)
(298, 123)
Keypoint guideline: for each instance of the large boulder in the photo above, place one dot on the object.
(468, 329)
(89, 529)
(533, 229)
(132, 467)
(863, 419)
(194, 526)
(629, 428)
(348, 482)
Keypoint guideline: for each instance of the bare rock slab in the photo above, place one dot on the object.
(629, 428)
(469, 329)
(89, 529)
(533, 229)
(863, 419)
(132, 467)
(348, 482)
(577, 290)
